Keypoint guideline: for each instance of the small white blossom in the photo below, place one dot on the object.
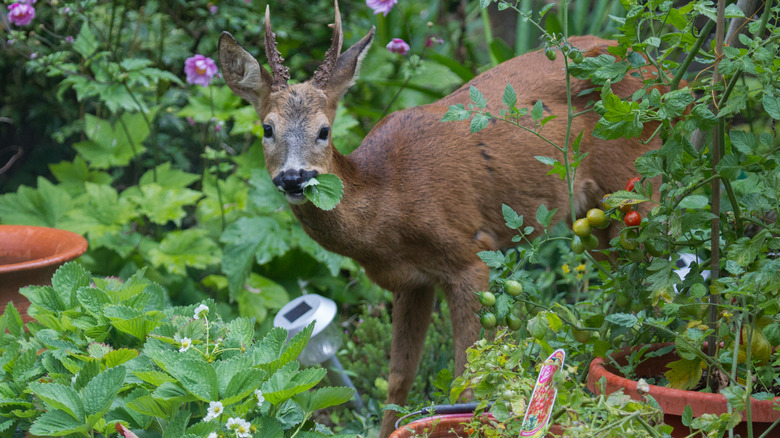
(212, 435)
(260, 398)
(241, 426)
(214, 411)
(186, 343)
(201, 311)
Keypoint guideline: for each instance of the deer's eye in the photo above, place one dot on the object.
(268, 131)
(324, 132)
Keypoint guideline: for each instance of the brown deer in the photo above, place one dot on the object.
(423, 197)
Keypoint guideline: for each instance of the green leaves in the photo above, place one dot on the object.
(71, 412)
(324, 191)
(113, 143)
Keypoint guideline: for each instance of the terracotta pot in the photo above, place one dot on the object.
(446, 426)
(29, 256)
(673, 401)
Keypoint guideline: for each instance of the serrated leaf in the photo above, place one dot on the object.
(456, 113)
(771, 106)
(44, 297)
(544, 216)
(478, 123)
(148, 405)
(324, 398)
(119, 356)
(284, 353)
(622, 319)
(93, 300)
(326, 193)
(60, 397)
(687, 415)
(684, 374)
(242, 384)
(476, 96)
(512, 219)
(510, 96)
(68, 279)
(182, 249)
(735, 395)
(98, 394)
(289, 381)
(247, 239)
(56, 423)
(154, 378)
(745, 142)
(196, 376)
(494, 259)
(537, 111)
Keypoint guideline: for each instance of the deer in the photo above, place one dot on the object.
(422, 197)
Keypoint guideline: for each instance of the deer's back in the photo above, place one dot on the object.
(454, 182)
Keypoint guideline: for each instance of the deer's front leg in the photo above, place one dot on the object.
(411, 317)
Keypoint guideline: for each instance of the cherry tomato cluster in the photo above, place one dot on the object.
(488, 317)
(583, 228)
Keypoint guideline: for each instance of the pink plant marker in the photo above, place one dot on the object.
(540, 406)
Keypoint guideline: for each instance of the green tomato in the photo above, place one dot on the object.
(628, 239)
(513, 321)
(550, 54)
(591, 242)
(581, 227)
(654, 247)
(513, 287)
(623, 299)
(636, 255)
(597, 218)
(580, 335)
(488, 321)
(577, 245)
(487, 299)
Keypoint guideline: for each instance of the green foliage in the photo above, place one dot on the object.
(503, 372)
(638, 296)
(102, 352)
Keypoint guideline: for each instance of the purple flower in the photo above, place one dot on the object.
(66, 10)
(21, 14)
(69, 39)
(200, 70)
(433, 40)
(213, 9)
(382, 6)
(397, 45)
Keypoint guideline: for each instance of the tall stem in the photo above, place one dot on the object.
(715, 225)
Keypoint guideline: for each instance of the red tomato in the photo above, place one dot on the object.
(631, 182)
(633, 219)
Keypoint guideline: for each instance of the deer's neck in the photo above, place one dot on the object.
(339, 230)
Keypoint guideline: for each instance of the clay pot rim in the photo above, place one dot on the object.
(71, 246)
(600, 367)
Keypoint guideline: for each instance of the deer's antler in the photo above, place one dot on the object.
(322, 74)
(280, 73)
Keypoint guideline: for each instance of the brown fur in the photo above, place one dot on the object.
(423, 197)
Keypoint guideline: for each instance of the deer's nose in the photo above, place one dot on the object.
(292, 180)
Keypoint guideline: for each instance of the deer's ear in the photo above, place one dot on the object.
(348, 66)
(242, 72)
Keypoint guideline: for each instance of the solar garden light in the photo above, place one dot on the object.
(325, 339)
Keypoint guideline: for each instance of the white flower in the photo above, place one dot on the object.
(260, 398)
(186, 343)
(241, 426)
(214, 411)
(212, 435)
(201, 311)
